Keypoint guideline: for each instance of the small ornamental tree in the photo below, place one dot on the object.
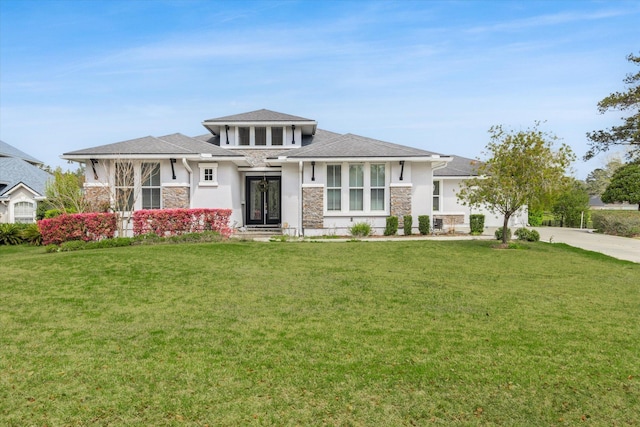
(624, 186)
(522, 168)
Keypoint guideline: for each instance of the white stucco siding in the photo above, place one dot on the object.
(421, 190)
(226, 194)
(290, 201)
(452, 206)
(4, 212)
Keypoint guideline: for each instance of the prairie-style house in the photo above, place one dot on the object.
(22, 185)
(281, 171)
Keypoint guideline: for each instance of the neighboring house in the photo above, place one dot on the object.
(281, 171)
(22, 185)
(596, 204)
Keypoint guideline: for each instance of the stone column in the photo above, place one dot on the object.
(312, 207)
(175, 197)
(98, 197)
(400, 202)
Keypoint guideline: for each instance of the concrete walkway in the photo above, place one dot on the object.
(618, 247)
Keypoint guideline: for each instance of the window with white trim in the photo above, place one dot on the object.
(334, 187)
(261, 136)
(150, 175)
(208, 174)
(277, 137)
(244, 135)
(436, 196)
(377, 187)
(356, 187)
(23, 212)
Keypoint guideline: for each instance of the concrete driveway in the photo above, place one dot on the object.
(617, 247)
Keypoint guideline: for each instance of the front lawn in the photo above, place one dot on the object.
(358, 333)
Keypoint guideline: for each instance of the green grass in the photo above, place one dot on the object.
(360, 333)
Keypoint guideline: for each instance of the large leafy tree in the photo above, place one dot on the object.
(571, 204)
(522, 168)
(628, 133)
(598, 179)
(625, 185)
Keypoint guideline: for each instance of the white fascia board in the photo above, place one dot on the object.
(262, 123)
(425, 159)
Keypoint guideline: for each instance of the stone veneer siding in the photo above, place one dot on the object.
(175, 197)
(99, 198)
(256, 157)
(312, 207)
(400, 203)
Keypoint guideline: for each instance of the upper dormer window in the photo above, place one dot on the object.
(261, 136)
(276, 136)
(244, 136)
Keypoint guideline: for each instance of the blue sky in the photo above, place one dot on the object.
(428, 74)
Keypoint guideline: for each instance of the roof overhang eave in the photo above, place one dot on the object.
(420, 159)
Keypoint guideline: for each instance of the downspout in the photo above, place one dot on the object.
(188, 168)
(300, 202)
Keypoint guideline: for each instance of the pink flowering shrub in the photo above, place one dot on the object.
(171, 222)
(83, 226)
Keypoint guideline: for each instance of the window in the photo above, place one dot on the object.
(208, 174)
(377, 187)
(436, 196)
(276, 136)
(356, 187)
(334, 187)
(261, 136)
(150, 175)
(23, 212)
(124, 186)
(244, 134)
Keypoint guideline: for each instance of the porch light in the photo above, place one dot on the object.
(226, 128)
(401, 169)
(293, 131)
(313, 171)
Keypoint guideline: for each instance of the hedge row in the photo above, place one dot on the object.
(173, 222)
(87, 227)
(619, 223)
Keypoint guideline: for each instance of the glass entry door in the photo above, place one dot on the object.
(263, 200)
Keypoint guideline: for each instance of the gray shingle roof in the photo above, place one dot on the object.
(353, 146)
(7, 150)
(14, 171)
(174, 144)
(459, 166)
(260, 116)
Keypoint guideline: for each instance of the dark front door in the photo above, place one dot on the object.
(263, 200)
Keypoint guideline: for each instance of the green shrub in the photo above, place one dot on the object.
(407, 224)
(10, 234)
(476, 223)
(535, 217)
(116, 242)
(424, 224)
(30, 233)
(392, 226)
(498, 234)
(360, 229)
(72, 245)
(527, 235)
(52, 213)
(617, 223)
